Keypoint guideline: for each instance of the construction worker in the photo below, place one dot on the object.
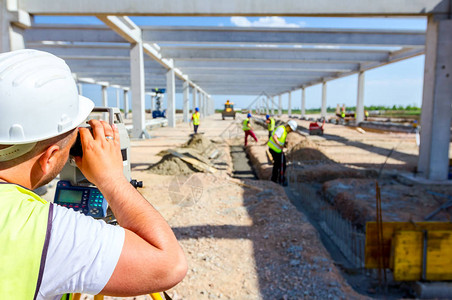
(270, 124)
(276, 144)
(195, 120)
(366, 114)
(48, 250)
(246, 126)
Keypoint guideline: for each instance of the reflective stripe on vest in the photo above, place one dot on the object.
(25, 224)
(245, 124)
(271, 143)
(196, 118)
(271, 125)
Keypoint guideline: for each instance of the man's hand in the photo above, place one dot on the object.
(102, 160)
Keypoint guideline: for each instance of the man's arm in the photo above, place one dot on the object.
(151, 259)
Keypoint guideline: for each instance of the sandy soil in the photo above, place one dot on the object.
(345, 164)
(243, 238)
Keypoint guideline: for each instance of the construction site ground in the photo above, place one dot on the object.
(243, 237)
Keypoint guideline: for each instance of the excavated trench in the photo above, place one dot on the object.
(242, 168)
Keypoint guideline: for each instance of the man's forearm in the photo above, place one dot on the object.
(136, 214)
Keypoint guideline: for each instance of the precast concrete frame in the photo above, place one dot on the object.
(214, 59)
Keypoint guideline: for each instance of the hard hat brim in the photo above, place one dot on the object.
(85, 107)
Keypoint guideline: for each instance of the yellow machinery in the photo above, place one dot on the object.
(228, 110)
(413, 251)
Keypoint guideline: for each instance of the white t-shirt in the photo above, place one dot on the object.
(279, 132)
(82, 254)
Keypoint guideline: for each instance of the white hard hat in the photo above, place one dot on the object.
(292, 124)
(38, 97)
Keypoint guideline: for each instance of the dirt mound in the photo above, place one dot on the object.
(196, 155)
(171, 165)
(329, 171)
(199, 142)
(303, 150)
(355, 200)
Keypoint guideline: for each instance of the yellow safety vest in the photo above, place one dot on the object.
(24, 237)
(245, 124)
(271, 125)
(195, 118)
(282, 140)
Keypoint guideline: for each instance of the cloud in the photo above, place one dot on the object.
(264, 22)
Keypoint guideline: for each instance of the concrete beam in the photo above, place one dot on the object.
(236, 8)
(292, 54)
(267, 65)
(436, 101)
(288, 36)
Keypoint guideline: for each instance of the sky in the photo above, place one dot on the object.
(394, 84)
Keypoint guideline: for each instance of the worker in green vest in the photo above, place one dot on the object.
(270, 124)
(276, 144)
(48, 250)
(246, 126)
(195, 120)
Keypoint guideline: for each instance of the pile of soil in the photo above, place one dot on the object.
(355, 200)
(171, 165)
(200, 143)
(197, 147)
(302, 149)
(323, 172)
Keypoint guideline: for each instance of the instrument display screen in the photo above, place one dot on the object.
(70, 196)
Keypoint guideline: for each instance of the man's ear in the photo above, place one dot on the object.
(48, 158)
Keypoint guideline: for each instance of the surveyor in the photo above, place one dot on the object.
(195, 120)
(246, 126)
(270, 124)
(48, 250)
(276, 144)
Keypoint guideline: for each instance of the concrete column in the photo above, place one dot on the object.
(171, 98)
(279, 105)
(360, 99)
(303, 102)
(266, 106)
(199, 102)
(323, 110)
(290, 104)
(194, 96)
(137, 89)
(117, 97)
(152, 103)
(104, 96)
(273, 105)
(186, 94)
(104, 101)
(11, 35)
(436, 101)
(126, 103)
(80, 88)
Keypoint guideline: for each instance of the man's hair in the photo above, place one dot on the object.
(61, 140)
